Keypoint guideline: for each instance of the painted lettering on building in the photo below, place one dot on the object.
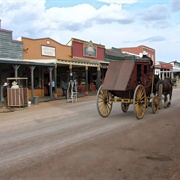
(48, 51)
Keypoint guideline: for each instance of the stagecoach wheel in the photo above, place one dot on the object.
(124, 107)
(104, 106)
(139, 101)
(155, 104)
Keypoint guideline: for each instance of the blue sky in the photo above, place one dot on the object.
(71, 3)
(113, 23)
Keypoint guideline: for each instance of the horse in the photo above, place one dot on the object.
(165, 87)
(156, 80)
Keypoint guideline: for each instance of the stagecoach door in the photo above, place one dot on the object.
(143, 74)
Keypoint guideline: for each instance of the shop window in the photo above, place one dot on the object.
(38, 77)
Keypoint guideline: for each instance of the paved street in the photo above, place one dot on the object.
(59, 140)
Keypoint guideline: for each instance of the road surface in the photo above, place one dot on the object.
(59, 140)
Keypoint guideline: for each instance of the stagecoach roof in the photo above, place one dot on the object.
(118, 75)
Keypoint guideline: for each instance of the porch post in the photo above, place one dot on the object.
(32, 82)
(50, 77)
(98, 78)
(172, 75)
(16, 69)
(55, 78)
(86, 80)
(70, 71)
(163, 74)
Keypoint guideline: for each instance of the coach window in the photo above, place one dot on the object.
(145, 69)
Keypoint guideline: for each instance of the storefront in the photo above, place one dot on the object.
(164, 70)
(31, 70)
(69, 63)
(89, 55)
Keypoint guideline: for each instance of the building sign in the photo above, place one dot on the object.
(48, 51)
(89, 50)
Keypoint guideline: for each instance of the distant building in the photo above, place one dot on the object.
(176, 69)
(137, 51)
(163, 69)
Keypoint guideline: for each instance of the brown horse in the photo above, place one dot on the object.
(167, 88)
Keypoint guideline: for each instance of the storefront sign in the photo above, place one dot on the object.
(90, 50)
(48, 51)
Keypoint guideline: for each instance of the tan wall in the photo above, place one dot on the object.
(59, 91)
(37, 92)
(134, 50)
(40, 92)
(32, 49)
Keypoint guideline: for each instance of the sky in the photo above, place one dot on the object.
(112, 23)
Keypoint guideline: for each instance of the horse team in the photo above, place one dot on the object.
(164, 89)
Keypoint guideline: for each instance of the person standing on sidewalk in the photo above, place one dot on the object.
(5, 93)
(53, 86)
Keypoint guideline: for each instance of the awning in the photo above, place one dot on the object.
(173, 70)
(53, 62)
(80, 62)
(28, 62)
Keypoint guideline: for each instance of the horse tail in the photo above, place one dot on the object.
(160, 92)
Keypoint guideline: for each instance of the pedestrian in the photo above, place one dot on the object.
(14, 85)
(5, 94)
(53, 86)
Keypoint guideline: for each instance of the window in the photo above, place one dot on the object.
(145, 69)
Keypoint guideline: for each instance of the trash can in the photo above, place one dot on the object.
(36, 100)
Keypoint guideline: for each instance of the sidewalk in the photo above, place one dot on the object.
(47, 98)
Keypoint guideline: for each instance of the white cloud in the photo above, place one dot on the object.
(111, 24)
(119, 1)
(115, 14)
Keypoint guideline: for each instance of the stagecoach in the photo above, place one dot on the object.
(128, 82)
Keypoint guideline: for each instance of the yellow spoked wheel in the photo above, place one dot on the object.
(155, 104)
(124, 107)
(139, 101)
(104, 106)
